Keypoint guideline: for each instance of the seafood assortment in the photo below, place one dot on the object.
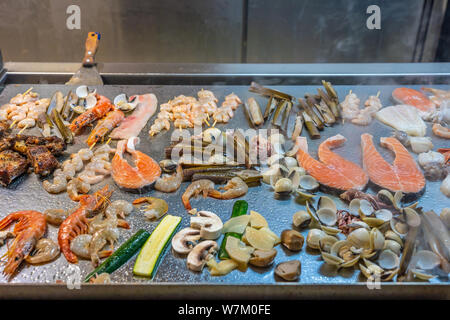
(380, 233)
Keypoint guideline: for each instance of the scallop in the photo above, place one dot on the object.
(388, 260)
(82, 91)
(426, 259)
(327, 216)
(308, 183)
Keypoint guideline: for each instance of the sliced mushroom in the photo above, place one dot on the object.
(209, 224)
(262, 258)
(289, 270)
(185, 240)
(293, 240)
(201, 253)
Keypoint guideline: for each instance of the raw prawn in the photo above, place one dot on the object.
(56, 216)
(99, 240)
(119, 208)
(102, 107)
(77, 222)
(76, 186)
(235, 188)
(441, 131)
(30, 227)
(145, 172)
(80, 246)
(170, 183)
(46, 251)
(203, 186)
(58, 185)
(104, 126)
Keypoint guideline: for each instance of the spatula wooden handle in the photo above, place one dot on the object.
(91, 46)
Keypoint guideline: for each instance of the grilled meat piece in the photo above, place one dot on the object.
(54, 144)
(4, 128)
(12, 165)
(43, 161)
(6, 143)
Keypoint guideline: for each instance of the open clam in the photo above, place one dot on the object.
(376, 239)
(327, 216)
(399, 227)
(388, 260)
(342, 254)
(326, 202)
(426, 259)
(412, 217)
(121, 102)
(360, 238)
(313, 238)
(327, 242)
(283, 187)
(294, 174)
(301, 219)
(392, 245)
(308, 183)
(82, 91)
(391, 235)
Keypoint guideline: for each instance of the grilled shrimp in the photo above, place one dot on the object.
(26, 123)
(46, 251)
(99, 240)
(77, 162)
(170, 183)
(102, 107)
(85, 154)
(194, 189)
(58, 185)
(75, 186)
(235, 188)
(30, 227)
(99, 166)
(56, 216)
(77, 222)
(119, 208)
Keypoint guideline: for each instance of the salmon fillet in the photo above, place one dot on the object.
(402, 175)
(332, 170)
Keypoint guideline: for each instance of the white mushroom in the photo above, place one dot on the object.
(209, 223)
(185, 240)
(201, 253)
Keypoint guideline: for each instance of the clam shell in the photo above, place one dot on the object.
(383, 214)
(365, 208)
(351, 262)
(426, 259)
(360, 238)
(327, 202)
(294, 174)
(422, 275)
(397, 200)
(353, 207)
(313, 238)
(283, 186)
(301, 219)
(274, 159)
(90, 101)
(82, 91)
(392, 245)
(412, 217)
(308, 183)
(388, 260)
(330, 230)
(290, 162)
(376, 239)
(400, 233)
(386, 196)
(332, 259)
(327, 242)
(391, 235)
(327, 216)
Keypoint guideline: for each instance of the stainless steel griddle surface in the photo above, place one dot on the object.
(27, 193)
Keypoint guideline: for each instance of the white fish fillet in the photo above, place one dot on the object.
(404, 118)
(132, 125)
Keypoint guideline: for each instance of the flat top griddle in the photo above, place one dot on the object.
(173, 279)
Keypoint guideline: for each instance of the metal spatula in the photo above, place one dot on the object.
(88, 73)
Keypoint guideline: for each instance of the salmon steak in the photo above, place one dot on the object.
(402, 175)
(332, 170)
(144, 172)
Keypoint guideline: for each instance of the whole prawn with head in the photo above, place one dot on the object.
(77, 222)
(30, 227)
